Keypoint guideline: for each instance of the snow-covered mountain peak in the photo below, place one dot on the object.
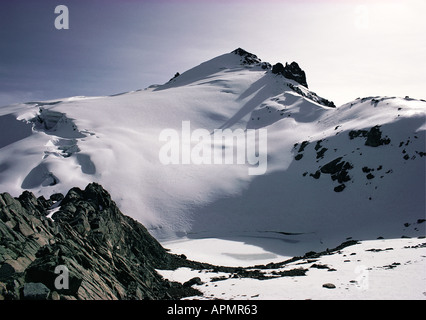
(240, 66)
(234, 61)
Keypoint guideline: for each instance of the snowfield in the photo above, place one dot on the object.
(356, 171)
(371, 270)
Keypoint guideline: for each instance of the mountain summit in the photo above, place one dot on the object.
(249, 58)
(332, 172)
(290, 75)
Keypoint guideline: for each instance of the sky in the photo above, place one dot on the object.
(347, 48)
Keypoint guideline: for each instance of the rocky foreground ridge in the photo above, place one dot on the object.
(86, 249)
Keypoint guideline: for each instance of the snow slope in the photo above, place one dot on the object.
(332, 173)
(390, 269)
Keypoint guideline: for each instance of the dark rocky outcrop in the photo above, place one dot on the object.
(248, 58)
(177, 74)
(106, 255)
(291, 71)
(338, 169)
(373, 136)
(312, 96)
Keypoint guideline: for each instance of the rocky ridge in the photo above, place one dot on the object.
(290, 71)
(84, 248)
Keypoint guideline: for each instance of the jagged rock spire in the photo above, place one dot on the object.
(291, 71)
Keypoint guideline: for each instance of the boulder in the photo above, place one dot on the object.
(193, 281)
(35, 291)
(6, 271)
